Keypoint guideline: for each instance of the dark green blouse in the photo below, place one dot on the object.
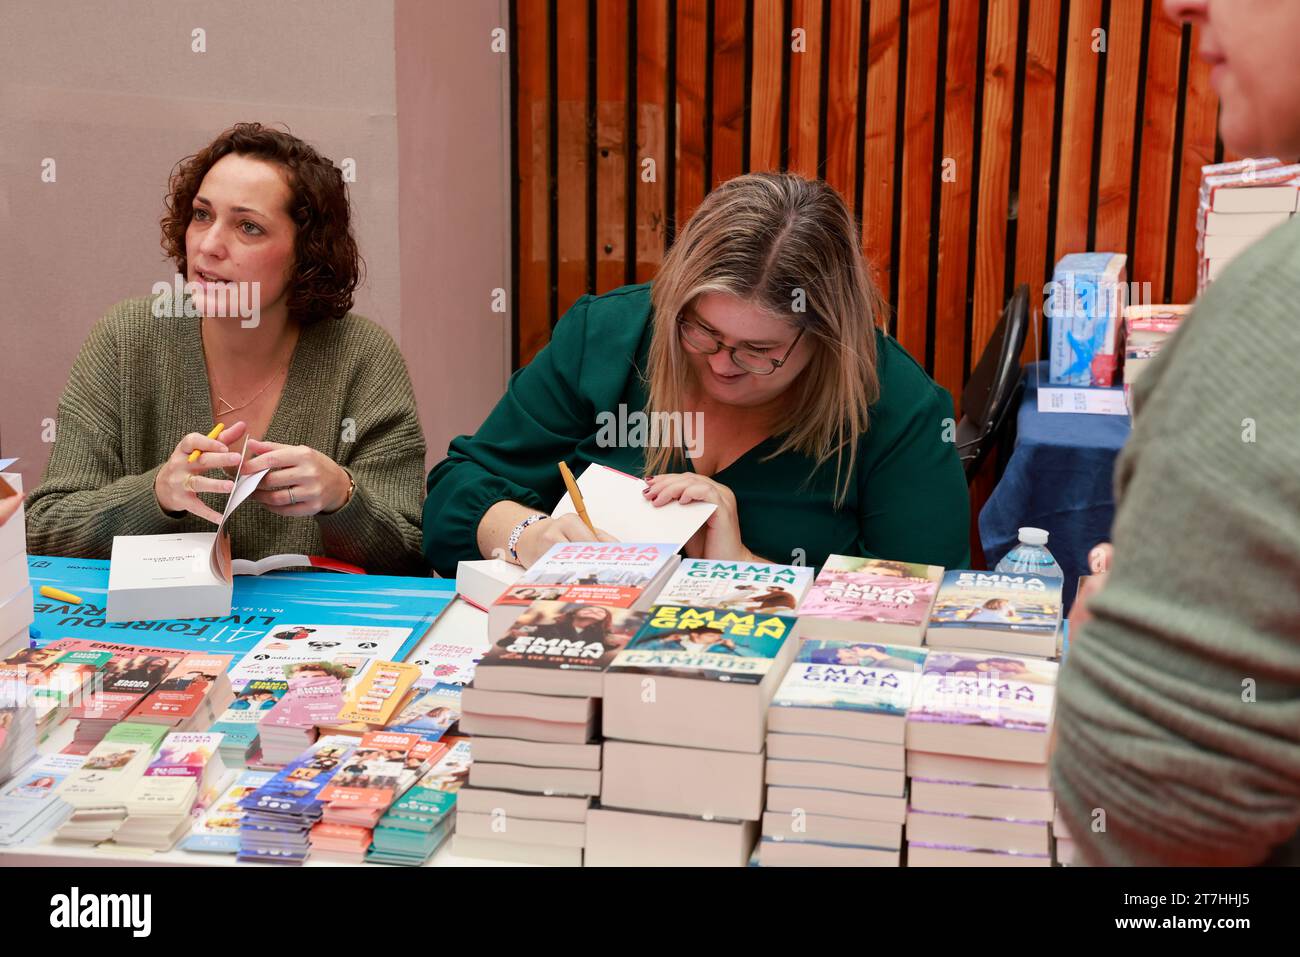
(907, 500)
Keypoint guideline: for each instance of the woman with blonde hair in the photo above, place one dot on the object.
(820, 434)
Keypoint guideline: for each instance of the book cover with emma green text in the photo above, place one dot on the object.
(614, 574)
(713, 644)
(744, 586)
(997, 601)
(998, 691)
(872, 590)
(851, 676)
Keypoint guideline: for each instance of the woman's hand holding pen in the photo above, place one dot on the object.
(302, 481)
(540, 536)
(179, 481)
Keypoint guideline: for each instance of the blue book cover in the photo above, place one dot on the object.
(712, 644)
(261, 604)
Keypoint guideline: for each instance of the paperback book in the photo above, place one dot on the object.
(607, 574)
(870, 599)
(743, 586)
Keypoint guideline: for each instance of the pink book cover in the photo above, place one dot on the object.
(308, 702)
(872, 589)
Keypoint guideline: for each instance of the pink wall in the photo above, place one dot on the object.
(114, 94)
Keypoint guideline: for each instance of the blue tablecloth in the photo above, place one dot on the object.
(1059, 478)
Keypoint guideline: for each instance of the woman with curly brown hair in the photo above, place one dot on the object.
(257, 218)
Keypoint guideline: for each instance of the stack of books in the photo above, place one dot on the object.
(217, 830)
(534, 711)
(279, 816)
(614, 575)
(194, 693)
(186, 773)
(1237, 204)
(977, 747)
(870, 599)
(742, 586)
(685, 718)
(381, 769)
(418, 822)
(1146, 330)
(17, 610)
(837, 789)
(100, 788)
(997, 612)
(241, 742)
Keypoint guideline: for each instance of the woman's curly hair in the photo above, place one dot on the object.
(327, 264)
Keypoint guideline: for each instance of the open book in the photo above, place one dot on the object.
(183, 575)
(616, 506)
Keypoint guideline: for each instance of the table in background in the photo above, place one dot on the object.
(1060, 477)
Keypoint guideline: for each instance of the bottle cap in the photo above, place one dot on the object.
(1033, 536)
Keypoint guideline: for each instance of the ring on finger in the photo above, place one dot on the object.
(292, 500)
(189, 482)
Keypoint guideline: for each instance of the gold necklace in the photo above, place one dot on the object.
(225, 407)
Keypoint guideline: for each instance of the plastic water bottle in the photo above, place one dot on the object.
(1031, 556)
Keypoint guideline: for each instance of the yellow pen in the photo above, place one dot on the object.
(579, 505)
(58, 594)
(216, 430)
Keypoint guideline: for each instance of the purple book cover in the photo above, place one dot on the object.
(1001, 691)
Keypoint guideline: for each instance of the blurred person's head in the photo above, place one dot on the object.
(1250, 46)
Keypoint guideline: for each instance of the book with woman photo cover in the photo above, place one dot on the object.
(706, 643)
(557, 647)
(610, 574)
(870, 599)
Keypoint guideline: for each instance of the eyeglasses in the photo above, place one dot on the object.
(697, 339)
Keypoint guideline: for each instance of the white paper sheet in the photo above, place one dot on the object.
(615, 505)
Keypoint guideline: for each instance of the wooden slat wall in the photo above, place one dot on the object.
(976, 142)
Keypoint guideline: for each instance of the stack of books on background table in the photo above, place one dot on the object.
(1146, 330)
(1238, 203)
(977, 748)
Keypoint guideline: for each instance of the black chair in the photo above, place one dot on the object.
(994, 387)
